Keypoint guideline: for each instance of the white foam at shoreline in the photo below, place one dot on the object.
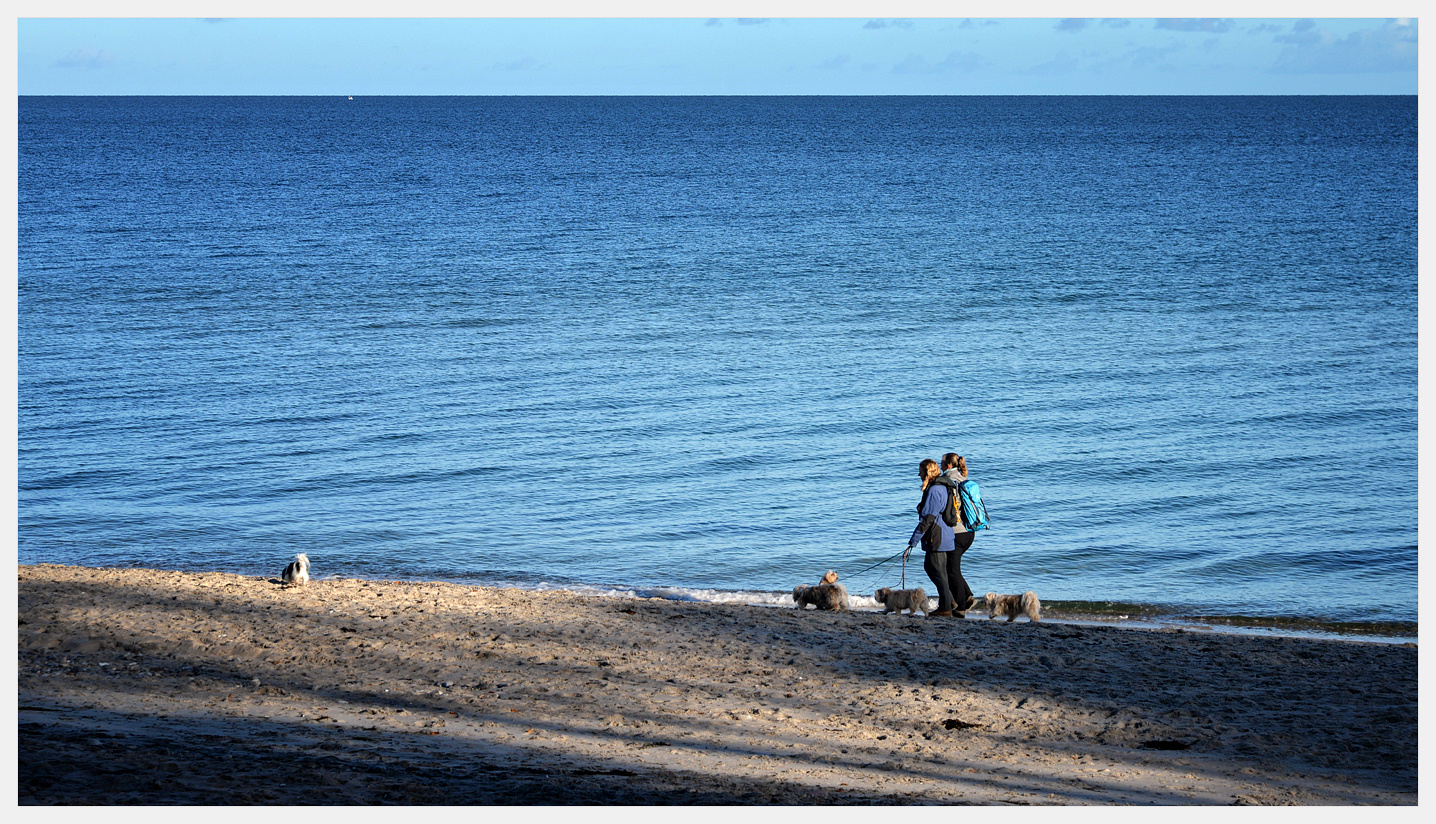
(707, 596)
(866, 603)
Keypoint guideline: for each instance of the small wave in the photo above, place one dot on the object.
(1104, 612)
(1392, 629)
(698, 595)
(73, 480)
(236, 253)
(1104, 609)
(1165, 616)
(478, 323)
(303, 420)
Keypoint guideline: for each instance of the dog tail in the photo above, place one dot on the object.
(1030, 604)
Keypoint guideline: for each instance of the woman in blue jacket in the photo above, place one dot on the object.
(935, 535)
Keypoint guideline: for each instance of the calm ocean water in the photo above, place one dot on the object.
(697, 346)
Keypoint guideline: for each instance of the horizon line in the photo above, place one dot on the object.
(744, 94)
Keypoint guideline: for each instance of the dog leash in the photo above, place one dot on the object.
(887, 560)
(878, 564)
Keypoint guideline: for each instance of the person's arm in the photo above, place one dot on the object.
(931, 509)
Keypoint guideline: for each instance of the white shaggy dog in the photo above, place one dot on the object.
(297, 572)
(822, 596)
(1013, 606)
(897, 600)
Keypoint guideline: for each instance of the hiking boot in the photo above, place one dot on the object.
(941, 613)
(971, 602)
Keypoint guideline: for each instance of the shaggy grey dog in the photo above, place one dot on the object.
(896, 600)
(822, 596)
(1013, 606)
(297, 572)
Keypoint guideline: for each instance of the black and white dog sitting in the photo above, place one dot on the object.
(297, 572)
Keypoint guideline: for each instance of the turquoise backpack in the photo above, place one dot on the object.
(974, 512)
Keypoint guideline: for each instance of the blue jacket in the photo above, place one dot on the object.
(930, 525)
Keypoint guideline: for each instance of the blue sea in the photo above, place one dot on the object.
(695, 347)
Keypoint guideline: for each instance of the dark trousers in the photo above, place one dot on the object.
(945, 571)
(961, 592)
(935, 564)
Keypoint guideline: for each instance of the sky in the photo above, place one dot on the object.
(645, 54)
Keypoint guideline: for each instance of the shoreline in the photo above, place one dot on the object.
(156, 687)
(1128, 615)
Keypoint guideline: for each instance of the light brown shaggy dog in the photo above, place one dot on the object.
(1013, 606)
(896, 600)
(822, 596)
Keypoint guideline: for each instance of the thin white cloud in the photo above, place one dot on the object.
(1144, 59)
(913, 64)
(1310, 50)
(86, 59)
(965, 62)
(1063, 63)
(836, 63)
(1205, 25)
(885, 24)
(520, 65)
(1076, 24)
(1303, 33)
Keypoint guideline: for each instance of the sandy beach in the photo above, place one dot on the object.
(154, 687)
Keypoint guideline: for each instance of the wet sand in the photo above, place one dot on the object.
(155, 687)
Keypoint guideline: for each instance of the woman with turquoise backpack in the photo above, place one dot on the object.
(972, 516)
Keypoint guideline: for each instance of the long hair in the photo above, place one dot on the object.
(927, 468)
